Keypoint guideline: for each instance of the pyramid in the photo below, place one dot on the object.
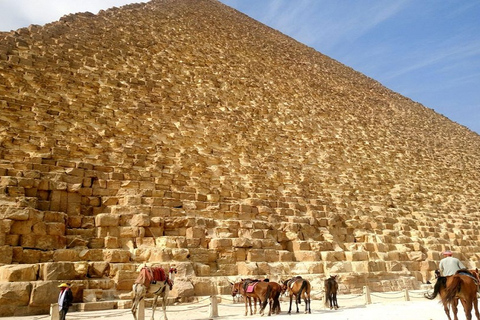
(184, 132)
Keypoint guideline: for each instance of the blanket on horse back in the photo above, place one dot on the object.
(251, 283)
(470, 273)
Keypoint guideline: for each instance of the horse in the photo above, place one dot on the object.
(461, 286)
(153, 280)
(331, 288)
(298, 287)
(274, 298)
(256, 289)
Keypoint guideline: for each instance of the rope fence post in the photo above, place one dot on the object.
(407, 296)
(213, 310)
(54, 311)
(368, 298)
(141, 310)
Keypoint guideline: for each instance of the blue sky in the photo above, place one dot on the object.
(426, 50)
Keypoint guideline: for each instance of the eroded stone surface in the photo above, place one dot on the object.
(182, 132)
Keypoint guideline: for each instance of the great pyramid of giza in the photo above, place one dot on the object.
(184, 132)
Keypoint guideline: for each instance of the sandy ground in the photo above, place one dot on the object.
(351, 308)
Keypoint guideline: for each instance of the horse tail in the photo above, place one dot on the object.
(266, 297)
(439, 285)
(327, 292)
(452, 289)
(299, 294)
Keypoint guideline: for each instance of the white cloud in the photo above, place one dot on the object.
(16, 14)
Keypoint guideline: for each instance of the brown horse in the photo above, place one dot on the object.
(256, 289)
(331, 288)
(274, 299)
(153, 280)
(461, 286)
(298, 287)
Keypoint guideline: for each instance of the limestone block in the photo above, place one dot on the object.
(19, 273)
(360, 266)
(247, 268)
(338, 267)
(285, 255)
(204, 287)
(416, 256)
(160, 255)
(57, 271)
(98, 269)
(6, 254)
(202, 270)
(195, 232)
(116, 255)
(298, 245)
(92, 295)
(106, 220)
(221, 243)
(140, 220)
(45, 242)
(128, 232)
(333, 255)
(182, 288)
(377, 266)
(166, 242)
(428, 265)
(111, 242)
(306, 256)
(91, 255)
(44, 293)
(242, 243)
(12, 295)
(180, 254)
(124, 279)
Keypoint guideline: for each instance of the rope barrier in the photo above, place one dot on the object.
(213, 305)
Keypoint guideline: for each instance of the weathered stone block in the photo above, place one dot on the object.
(106, 220)
(12, 295)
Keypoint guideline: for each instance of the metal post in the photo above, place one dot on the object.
(141, 310)
(407, 296)
(213, 310)
(54, 311)
(366, 291)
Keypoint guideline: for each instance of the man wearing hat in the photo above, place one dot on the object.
(450, 265)
(65, 298)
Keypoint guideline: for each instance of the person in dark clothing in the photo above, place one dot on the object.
(65, 298)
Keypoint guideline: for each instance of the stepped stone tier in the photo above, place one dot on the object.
(182, 132)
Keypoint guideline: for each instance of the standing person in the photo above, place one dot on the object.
(450, 265)
(65, 298)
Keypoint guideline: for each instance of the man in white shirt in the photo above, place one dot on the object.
(65, 298)
(450, 265)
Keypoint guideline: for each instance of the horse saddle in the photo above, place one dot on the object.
(251, 287)
(468, 273)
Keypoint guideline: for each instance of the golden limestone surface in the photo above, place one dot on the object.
(182, 132)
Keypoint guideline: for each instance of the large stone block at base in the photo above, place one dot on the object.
(19, 272)
(13, 295)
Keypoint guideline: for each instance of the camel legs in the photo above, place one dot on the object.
(139, 292)
(154, 306)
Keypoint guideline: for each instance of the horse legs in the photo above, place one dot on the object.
(335, 302)
(306, 298)
(290, 308)
(296, 303)
(246, 306)
(475, 306)
(467, 307)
